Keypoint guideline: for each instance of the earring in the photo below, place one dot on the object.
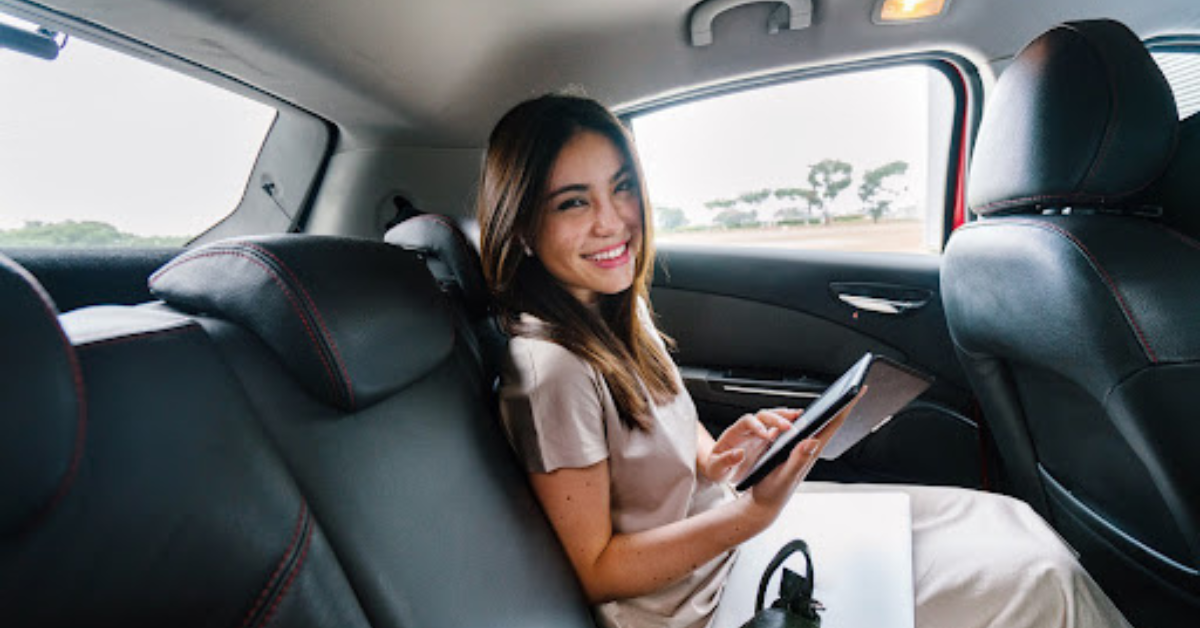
(528, 251)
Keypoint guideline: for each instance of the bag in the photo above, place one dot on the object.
(795, 607)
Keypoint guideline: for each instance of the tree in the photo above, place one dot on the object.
(793, 214)
(669, 218)
(879, 188)
(720, 203)
(753, 200)
(88, 233)
(828, 179)
(735, 218)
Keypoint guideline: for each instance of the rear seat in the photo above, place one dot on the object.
(298, 435)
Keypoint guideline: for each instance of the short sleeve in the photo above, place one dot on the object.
(552, 407)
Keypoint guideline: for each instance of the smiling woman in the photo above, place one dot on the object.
(636, 488)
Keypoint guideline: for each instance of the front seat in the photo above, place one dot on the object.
(1074, 304)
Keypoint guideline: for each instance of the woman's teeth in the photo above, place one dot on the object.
(612, 253)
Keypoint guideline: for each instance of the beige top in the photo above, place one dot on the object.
(558, 413)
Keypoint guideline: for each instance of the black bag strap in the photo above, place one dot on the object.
(792, 547)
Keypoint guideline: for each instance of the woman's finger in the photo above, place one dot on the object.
(776, 420)
(723, 464)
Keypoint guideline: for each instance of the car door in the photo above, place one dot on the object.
(768, 311)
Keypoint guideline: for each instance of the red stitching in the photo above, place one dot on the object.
(458, 234)
(1181, 237)
(291, 577)
(316, 313)
(271, 274)
(1112, 287)
(68, 479)
(262, 596)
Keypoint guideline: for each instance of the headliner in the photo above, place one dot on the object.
(438, 73)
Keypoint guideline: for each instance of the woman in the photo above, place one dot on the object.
(633, 484)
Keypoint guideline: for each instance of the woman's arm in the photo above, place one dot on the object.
(614, 566)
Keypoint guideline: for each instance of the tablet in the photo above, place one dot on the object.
(881, 387)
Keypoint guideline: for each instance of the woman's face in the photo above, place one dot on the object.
(591, 229)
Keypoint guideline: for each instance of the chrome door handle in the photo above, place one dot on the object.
(880, 305)
(881, 298)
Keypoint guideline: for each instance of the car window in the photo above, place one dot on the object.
(99, 148)
(1181, 65)
(855, 161)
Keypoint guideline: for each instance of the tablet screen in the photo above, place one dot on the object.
(815, 416)
(885, 386)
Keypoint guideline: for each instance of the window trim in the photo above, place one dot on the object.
(966, 88)
(287, 113)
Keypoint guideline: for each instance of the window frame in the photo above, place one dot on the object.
(962, 75)
(294, 127)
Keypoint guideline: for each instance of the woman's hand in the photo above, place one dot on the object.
(768, 497)
(742, 443)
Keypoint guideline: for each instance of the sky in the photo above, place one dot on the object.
(767, 138)
(96, 135)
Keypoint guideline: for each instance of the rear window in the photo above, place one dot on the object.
(102, 149)
(1181, 65)
(855, 161)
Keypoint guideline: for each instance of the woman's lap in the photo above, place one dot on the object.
(981, 559)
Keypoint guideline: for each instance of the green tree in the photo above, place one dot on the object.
(880, 187)
(828, 178)
(793, 214)
(84, 234)
(720, 203)
(736, 218)
(669, 218)
(753, 200)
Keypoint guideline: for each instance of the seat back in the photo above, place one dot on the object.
(138, 489)
(354, 363)
(1073, 303)
(296, 436)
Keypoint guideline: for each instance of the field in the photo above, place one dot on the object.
(902, 236)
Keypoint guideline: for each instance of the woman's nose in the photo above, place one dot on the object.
(608, 215)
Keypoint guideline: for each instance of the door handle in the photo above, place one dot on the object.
(881, 298)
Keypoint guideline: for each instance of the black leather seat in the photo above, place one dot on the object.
(296, 437)
(137, 487)
(355, 365)
(1074, 306)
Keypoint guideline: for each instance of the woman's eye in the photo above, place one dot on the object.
(625, 185)
(571, 203)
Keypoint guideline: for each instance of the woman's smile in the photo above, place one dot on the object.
(611, 257)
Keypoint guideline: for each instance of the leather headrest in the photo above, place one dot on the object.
(450, 255)
(1178, 191)
(42, 408)
(1082, 117)
(355, 321)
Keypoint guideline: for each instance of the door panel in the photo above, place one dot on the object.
(765, 328)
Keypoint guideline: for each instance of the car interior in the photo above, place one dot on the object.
(288, 415)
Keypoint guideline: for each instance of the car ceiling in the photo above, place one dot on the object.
(438, 73)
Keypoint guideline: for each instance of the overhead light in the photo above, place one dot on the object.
(907, 11)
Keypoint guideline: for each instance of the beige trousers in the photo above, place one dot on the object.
(986, 560)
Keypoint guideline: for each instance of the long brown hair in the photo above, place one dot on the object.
(520, 155)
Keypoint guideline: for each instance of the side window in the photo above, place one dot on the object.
(99, 148)
(1180, 63)
(855, 161)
